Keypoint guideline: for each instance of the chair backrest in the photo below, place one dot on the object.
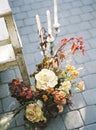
(10, 42)
(4, 8)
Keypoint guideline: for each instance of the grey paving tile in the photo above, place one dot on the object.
(91, 53)
(16, 10)
(34, 38)
(28, 2)
(93, 22)
(86, 9)
(76, 11)
(29, 21)
(25, 30)
(92, 42)
(90, 96)
(32, 13)
(9, 103)
(29, 59)
(20, 119)
(1, 110)
(77, 4)
(75, 19)
(20, 23)
(84, 25)
(87, 2)
(86, 16)
(12, 125)
(25, 40)
(30, 48)
(67, 13)
(7, 75)
(78, 101)
(66, 6)
(93, 13)
(91, 66)
(71, 28)
(26, 8)
(21, 16)
(90, 81)
(89, 127)
(38, 57)
(88, 114)
(72, 120)
(58, 124)
(18, 128)
(17, 73)
(16, 3)
(85, 34)
(81, 59)
(93, 32)
(4, 90)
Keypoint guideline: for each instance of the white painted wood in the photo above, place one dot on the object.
(6, 54)
(4, 8)
(4, 36)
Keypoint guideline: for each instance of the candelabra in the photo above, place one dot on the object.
(46, 37)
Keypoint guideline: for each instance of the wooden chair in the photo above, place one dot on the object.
(10, 43)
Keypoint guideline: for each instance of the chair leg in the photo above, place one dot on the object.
(22, 68)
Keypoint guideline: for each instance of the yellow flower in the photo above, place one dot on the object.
(34, 113)
(62, 73)
(46, 78)
(74, 74)
(70, 68)
(65, 86)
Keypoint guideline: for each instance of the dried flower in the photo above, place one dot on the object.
(46, 78)
(34, 113)
(81, 86)
(65, 86)
(60, 108)
(45, 98)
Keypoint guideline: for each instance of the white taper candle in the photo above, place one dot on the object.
(49, 22)
(39, 28)
(55, 13)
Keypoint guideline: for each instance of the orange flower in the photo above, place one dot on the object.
(49, 90)
(59, 97)
(69, 97)
(45, 98)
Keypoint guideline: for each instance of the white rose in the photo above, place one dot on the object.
(65, 86)
(46, 78)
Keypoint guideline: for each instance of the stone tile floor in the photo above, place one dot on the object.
(77, 18)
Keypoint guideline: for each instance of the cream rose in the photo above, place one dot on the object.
(46, 78)
(34, 113)
(65, 86)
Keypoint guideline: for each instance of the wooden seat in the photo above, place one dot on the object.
(10, 42)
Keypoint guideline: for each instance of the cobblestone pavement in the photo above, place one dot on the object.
(77, 18)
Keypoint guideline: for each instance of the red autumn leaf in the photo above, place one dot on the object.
(72, 38)
(64, 41)
(83, 51)
(74, 48)
(62, 56)
(80, 39)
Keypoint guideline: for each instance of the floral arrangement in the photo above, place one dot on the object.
(53, 87)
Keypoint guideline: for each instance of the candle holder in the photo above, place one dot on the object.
(48, 40)
(56, 28)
